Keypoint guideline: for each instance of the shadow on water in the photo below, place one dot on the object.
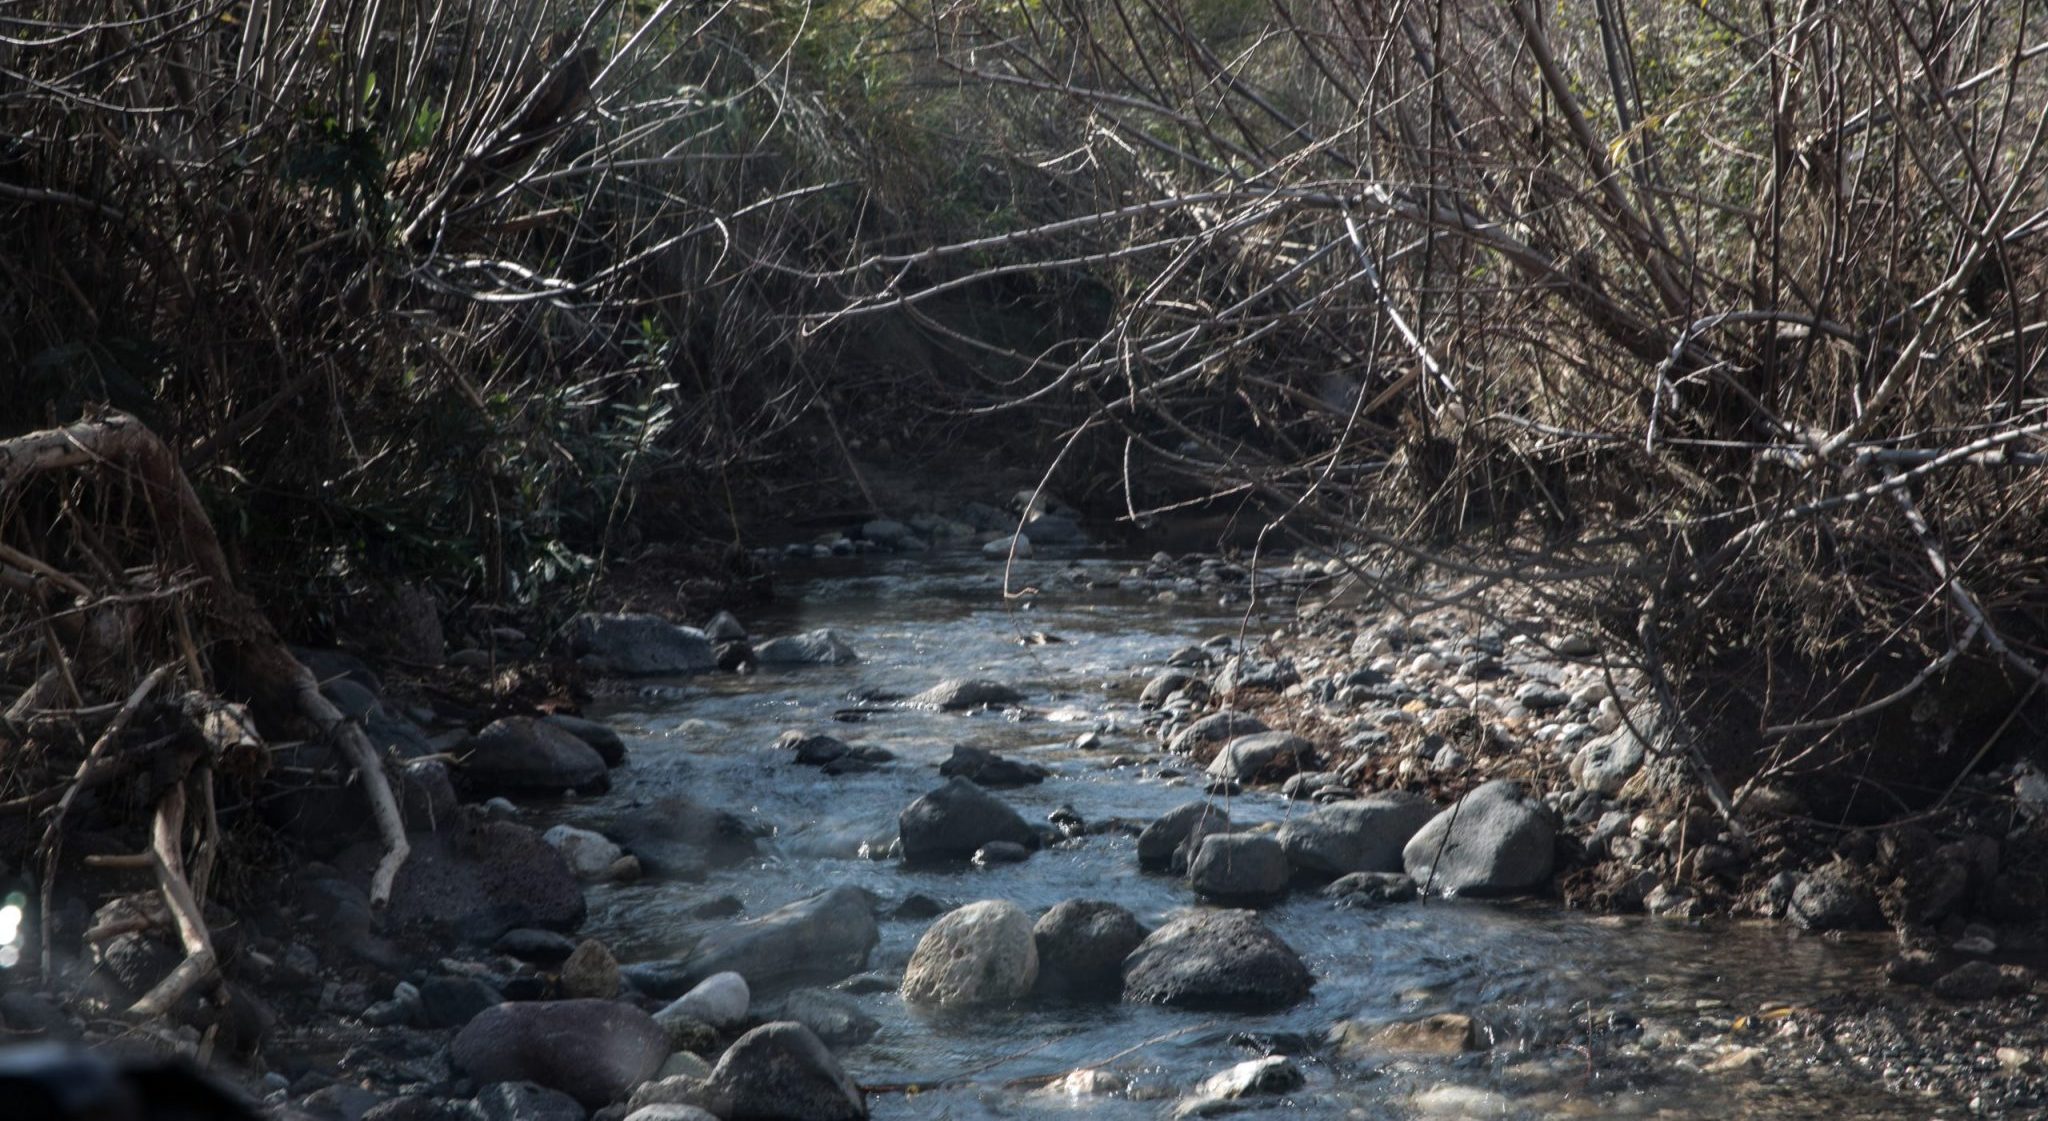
(1588, 1016)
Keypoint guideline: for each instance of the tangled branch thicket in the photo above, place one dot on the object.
(1722, 323)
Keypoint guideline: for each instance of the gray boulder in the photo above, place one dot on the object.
(955, 820)
(822, 938)
(961, 692)
(671, 1112)
(1216, 960)
(724, 627)
(718, 1001)
(1215, 728)
(1082, 944)
(812, 648)
(1605, 765)
(1169, 841)
(1247, 757)
(783, 1072)
(982, 953)
(1496, 841)
(520, 755)
(1001, 547)
(833, 1017)
(1834, 898)
(639, 645)
(1364, 835)
(1241, 868)
(476, 883)
(595, 1051)
(1163, 685)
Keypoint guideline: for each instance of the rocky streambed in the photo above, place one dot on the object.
(969, 856)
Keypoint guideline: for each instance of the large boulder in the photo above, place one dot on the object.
(595, 1051)
(1240, 868)
(639, 645)
(1497, 840)
(521, 755)
(1246, 758)
(1215, 728)
(1171, 839)
(822, 938)
(1363, 835)
(1082, 944)
(955, 820)
(1216, 960)
(982, 953)
(962, 692)
(987, 769)
(477, 882)
(783, 1072)
(811, 648)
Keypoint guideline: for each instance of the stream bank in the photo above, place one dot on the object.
(1416, 1009)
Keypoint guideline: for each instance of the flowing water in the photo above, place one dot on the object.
(1588, 1016)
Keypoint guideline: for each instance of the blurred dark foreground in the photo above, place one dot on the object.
(67, 1083)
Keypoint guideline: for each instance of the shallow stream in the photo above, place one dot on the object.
(1587, 1016)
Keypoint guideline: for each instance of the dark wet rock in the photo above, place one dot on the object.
(679, 836)
(1168, 842)
(1363, 835)
(821, 938)
(958, 693)
(1001, 852)
(1835, 898)
(1082, 944)
(421, 1107)
(1215, 728)
(833, 1017)
(1216, 960)
(595, 1051)
(527, 1101)
(723, 627)
(979, 954)
(1913, 967)
(1364, 889)
(812, 648)
(1496, 841)
(520, 755)
(32, 1015)
(601, 738)
(540, 947)
(639, 645)
(918, 905)
(1053, 529)
(735, 657)
(1261, 754)
(1241, 868)
(812, 749)
(955, 820)
(988, 770)
(1972, 980)
(477, 882)
(450, 1002)
(717, 907)
(783, 1072)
